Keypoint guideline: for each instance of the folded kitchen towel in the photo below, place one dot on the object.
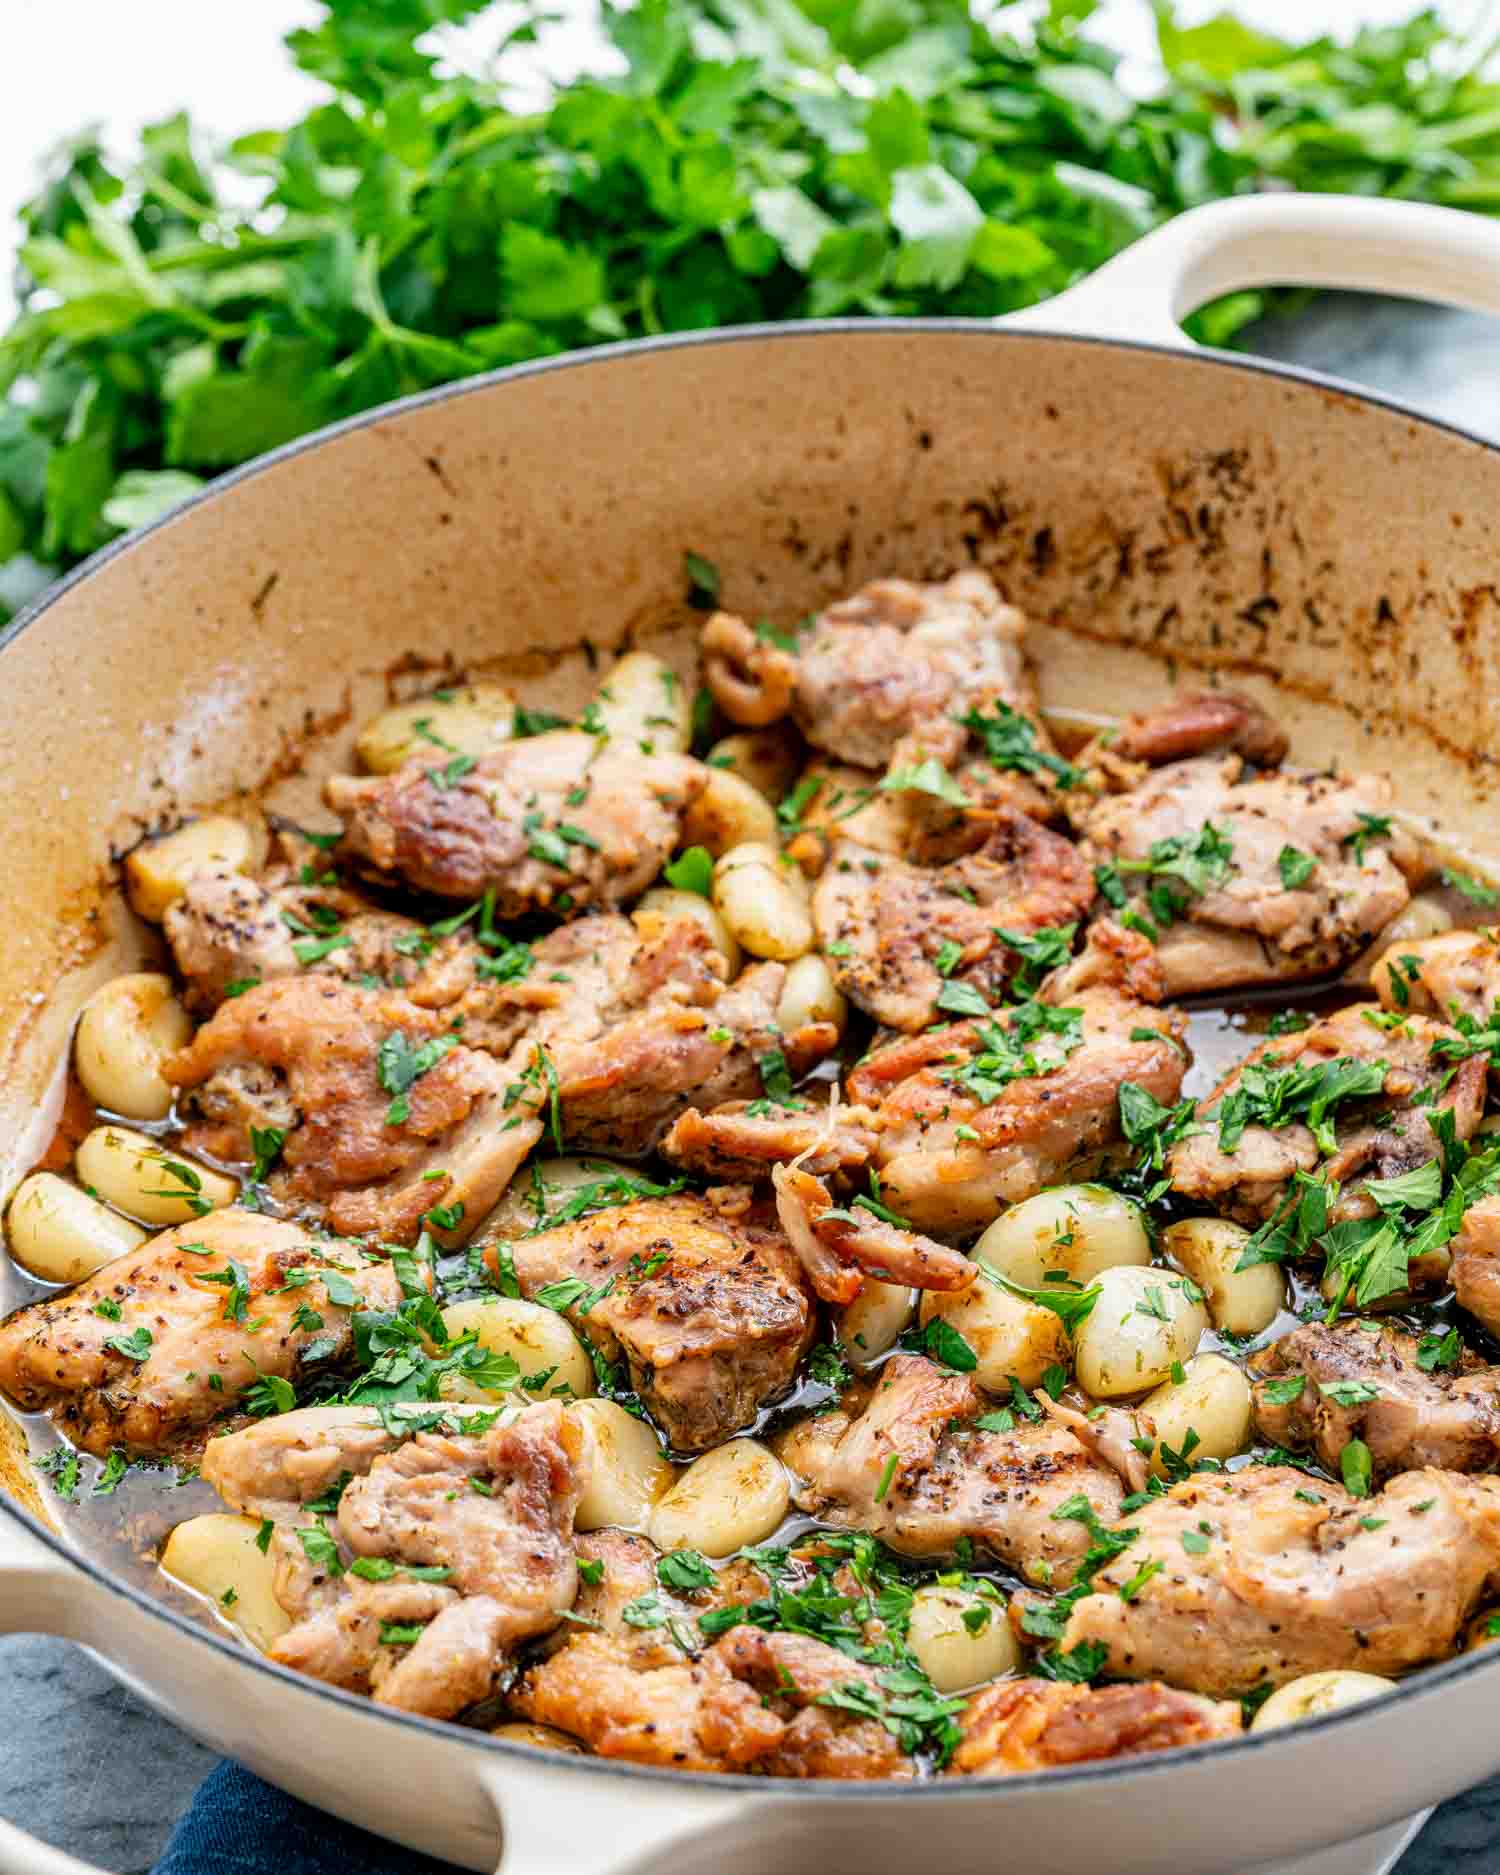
(236, 1825)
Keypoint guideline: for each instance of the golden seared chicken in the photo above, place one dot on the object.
(563, 821)
(893, 658)
(744, 1140)
(662, 1694)
(1012, 1726)
(983, 1114)
(442, 1553)
(1270, 878)
(656, 1032)
(1363, 1380)
(1343, 1096)
(370, 1093)
(839, 1247)
(1455, 974)
(894, 933)
(149, 1349)
(1475, 1269)
(702, 1296)
(751, 1701)
(389, 1110)
(229, 932)
(1296, 1577)
(914, 1469)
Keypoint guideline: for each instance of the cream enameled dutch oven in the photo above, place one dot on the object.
(1158, 510)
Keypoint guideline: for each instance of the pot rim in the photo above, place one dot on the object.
(780, 331)
(971, 1789)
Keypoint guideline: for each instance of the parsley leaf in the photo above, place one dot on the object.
(691, 871)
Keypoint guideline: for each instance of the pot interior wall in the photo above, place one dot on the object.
(1158, 515)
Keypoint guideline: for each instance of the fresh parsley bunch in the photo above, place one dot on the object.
(752, 160)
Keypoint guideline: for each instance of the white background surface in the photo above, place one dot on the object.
(120, 63)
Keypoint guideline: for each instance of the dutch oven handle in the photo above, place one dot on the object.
(554, 1822)
(38, 1593)
(1409, 248)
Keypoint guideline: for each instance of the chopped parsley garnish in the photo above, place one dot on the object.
(944, 1344)
(692, 871)
(1039, 951)
(684, 1569)
(949, 957)
(1474, 890)
(600, 1194)
(828, 1367)
(572, 1292)
(267, 1395)
(61, 1470)
(1355, 1468)
(791, 809)
(1438, 1350)
(1198, 866)
(1349, 1392)
(962, 999)
(266, 1143)
(452, 772)
(1295, 867)
(1371, 827)
(400, 1062)
(1283, 1390)
(1070, 1302)
(1273, 1094)
(703, 582)
(235, 1279)
(320, 1549)
(1010, 742)
(776, 1079)
(1048, 1620)
(928, 777)
(136, 1346)
(1031, 1039)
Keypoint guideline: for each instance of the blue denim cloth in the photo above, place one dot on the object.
(239, 1826)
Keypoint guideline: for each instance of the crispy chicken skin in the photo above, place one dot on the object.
(702, 1296)
(204, 1335)
(888, 920)
(507, 1550)
(304, 1054)
(839, 1247)
(1249, 926)
(1012, 1726)
(731, 1144)
(1378, 1137)
(1457, 973)
(1411, 1419)
(555, 816)
(228, 931)
(1298, 1577)
(1038, 1128)
(1196, 722)
(747, 1702)
(1001, 1490)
